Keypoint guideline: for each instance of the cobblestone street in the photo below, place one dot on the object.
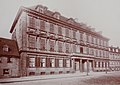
(103, 80)
(95, 78)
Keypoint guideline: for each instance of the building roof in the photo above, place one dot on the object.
(49, 14)
(8, 48)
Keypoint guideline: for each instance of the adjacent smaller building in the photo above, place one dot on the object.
(114, 56)
(9, 58)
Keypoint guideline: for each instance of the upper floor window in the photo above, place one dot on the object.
(42, 25)
(87, 38)
(92, 39)
(81, 49)
(96, 52)
(31, 21)
(59, 46)
(52, 43)
(31, 62)
(42, 43)
(5, 48)
(59, 30)
(67, 32)
(74, 48)
(100, 53)
(51, 28)
(96, 41)
(31, 40)
(81, 36)
(67, 47)
(74, 34)
(99, 41)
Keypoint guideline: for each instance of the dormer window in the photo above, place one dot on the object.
(56, 15)
(5, 48)
(41, 10)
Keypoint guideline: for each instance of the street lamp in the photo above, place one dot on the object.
(106, 67)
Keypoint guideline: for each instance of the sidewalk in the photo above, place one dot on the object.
(47, 77)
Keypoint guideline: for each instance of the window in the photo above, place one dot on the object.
(42, 44)
(5, 48)
(92, 39)
(59, 46)
(81, 49)
(9, 60)
(87, 36)
(5, 71)
(31, 21)
(96, 52)
(42, 62)
(42, 25)
(98, 64)
(74, 48)
(102, 64)
(67, 32)
(95, 64)
(52, 62)
(74, 34)
(92, 51)
(31, 62)
(96, 41)
(51, 28)
(31, 30)
(81, 36)
(59, 30)
(52, 45)
(100, 53)
(99, 41)
(60, 63)
(67, 47)
(67, 63)
(31, 41)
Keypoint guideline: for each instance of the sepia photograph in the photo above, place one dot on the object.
(59, 42)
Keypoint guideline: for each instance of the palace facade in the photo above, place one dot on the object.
(114, 56)
(50, 43)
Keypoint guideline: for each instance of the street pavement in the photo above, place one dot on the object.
(60, 79)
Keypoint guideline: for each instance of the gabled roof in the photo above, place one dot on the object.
(12, 48)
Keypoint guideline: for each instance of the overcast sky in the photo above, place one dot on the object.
(103, 15)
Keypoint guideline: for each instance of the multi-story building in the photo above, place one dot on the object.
(50, 43)
(9, 58)
(114, 55)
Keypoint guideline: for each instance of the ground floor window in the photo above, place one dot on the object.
(60, 63)
(68, 63)
(5, 71)
(31, 62)
(42, 62)
(52, 62)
